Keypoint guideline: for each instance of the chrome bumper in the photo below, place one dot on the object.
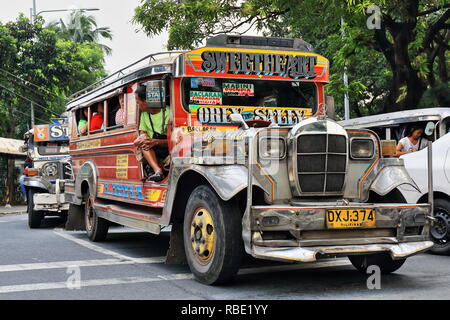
(309, 254)
(50, 202)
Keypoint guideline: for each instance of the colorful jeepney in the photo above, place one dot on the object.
(256, 167)
(48, 148)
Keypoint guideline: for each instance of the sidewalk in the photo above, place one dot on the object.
(12, 210)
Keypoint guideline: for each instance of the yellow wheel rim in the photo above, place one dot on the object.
(203, 235)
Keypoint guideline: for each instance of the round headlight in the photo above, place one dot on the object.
(272, 148)
(50, 169)
(362, 149)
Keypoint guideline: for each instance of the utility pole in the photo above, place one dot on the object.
(33, 13)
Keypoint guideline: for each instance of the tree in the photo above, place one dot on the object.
(37, 65)
(391, 67)
(83, 28)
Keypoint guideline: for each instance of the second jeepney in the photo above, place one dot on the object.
(255, 165)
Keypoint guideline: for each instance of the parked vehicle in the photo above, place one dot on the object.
(255, 165)
(392, 126)
(48, 148)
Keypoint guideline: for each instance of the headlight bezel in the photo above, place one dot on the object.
(371, 150)
(45, 168)
(263, 141)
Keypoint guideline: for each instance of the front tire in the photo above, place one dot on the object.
(382, 260)
(212, 234)
(34, 217)
(440, 229)
(96, 227)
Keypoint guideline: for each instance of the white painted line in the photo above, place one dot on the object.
(169, 277)
(80, 263)
(91, 283)
(94, 247)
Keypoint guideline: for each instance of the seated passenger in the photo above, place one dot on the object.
(97, 118)
(153, 138)
(82, 125)
(120, 114)
(411, 142)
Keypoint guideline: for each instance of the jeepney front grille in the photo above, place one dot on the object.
(321, 163)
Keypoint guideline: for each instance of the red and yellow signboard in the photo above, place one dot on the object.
(257, 64)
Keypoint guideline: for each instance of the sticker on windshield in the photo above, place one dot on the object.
(205, 97)
(239, 89)
(202, 82)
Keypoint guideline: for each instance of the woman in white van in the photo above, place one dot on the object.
(410, 143)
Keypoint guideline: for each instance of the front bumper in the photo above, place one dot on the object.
(50, 202)
(397, 251)
(301, 232)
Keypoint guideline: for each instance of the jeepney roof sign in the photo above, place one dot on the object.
(256, 64)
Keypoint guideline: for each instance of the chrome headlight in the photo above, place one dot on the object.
(272, 148)
(50, 169)
(362, 148)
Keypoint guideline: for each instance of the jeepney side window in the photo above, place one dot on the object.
(116, 115)
(97, 118)
(81, 123)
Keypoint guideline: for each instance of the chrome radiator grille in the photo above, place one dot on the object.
(321, 163)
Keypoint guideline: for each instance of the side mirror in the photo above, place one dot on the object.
(156, 94)
(23, 148)
(429, 129)
(330, 108)
(237, 119)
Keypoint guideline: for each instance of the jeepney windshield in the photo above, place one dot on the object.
(250, 93)
(52, 148)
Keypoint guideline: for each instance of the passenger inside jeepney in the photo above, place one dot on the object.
(116, 110)
(152, 141)
(97, 118)
(83, 123)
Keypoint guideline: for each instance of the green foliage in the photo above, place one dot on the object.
(39, 64)
(389, 69)
(82, 28)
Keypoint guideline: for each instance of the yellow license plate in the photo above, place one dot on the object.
(350, 218)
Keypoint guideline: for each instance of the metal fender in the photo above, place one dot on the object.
(35, 183)
(227, 181)
(88, 173)
(390, 175)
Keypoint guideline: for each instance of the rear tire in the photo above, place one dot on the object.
(440, 230)
(382, 260)
(212, 234)
(34, 217)
(96, 227)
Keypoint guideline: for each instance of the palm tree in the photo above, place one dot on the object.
(80, 27)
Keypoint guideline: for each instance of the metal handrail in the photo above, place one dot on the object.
(121, 72)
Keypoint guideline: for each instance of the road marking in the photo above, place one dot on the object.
(91, 283)
(94, 247)
(168, 277)
(80, 263)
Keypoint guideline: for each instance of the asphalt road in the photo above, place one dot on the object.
(45, 264)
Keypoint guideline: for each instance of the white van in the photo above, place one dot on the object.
(392, 126)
